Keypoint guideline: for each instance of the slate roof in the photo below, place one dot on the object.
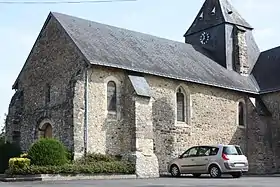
(231, 15)
(225, 13)
(120, 48)
(266, 70)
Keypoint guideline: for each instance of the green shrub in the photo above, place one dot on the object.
(70, 156)
(48, 152)
(7, 151)
(101, 167)
(96, 157)
(19, 163)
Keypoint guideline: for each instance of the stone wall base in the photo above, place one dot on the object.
(146, 166)
(78, 155)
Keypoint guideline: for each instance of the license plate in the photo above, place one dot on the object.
(239, 165)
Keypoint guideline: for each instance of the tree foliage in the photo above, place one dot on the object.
(2, 131)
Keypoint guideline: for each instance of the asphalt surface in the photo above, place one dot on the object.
(158, 182)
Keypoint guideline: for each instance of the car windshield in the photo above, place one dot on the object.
(232, 150)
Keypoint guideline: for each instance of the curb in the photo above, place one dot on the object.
(47, 177)
(244, 175)
(262, 175)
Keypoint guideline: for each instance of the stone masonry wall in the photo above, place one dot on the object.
(240, 51)
(269, 135)
(258, 136)
(272, 137)
(146, 161)
(54, 61)
(212, 118)
(109, 133)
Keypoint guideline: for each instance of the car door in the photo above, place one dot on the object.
(202, 159)
(186, 160)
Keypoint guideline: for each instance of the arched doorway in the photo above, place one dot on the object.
(46, 130)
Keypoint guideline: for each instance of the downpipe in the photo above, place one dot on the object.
(86, 113)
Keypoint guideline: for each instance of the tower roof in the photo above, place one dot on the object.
(215, 12)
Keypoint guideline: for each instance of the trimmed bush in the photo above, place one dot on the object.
(96, 157)
(24, 155)
(48, 152)
(101, 167)
(7, 151)
(19, 163)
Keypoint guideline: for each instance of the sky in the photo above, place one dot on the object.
(21, 24)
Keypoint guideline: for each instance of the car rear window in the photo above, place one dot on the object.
(232, 150)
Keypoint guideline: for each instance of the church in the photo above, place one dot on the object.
(109, 90)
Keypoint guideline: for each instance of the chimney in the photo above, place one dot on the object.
(240, 51)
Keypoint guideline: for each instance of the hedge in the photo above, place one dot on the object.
(7, 151)
(101, 167)
(48, 152)
(96, 157)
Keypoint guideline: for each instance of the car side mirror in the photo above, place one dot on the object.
(180, 156)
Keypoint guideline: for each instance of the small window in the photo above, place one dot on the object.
(241, 114)
(48, 93)
(111, 96)
(16, 137)
(213, 12)
(180, 97)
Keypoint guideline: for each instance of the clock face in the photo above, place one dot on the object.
(204, 37)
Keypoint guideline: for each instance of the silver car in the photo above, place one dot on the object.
(213, 160)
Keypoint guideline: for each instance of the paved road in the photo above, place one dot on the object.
(159, 182)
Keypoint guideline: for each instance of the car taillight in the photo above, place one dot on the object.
(224, 156)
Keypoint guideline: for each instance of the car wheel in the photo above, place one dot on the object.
(196, 175)
(236, 175)
(174, 170)
(215, 171)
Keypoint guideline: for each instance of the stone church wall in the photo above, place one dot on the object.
(109, 133)
(54, 61)
(263, 135)
(212, 116)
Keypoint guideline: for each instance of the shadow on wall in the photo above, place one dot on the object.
(111, 129)
(260, 147)
(163, 120)
(239, 138)
(118, 136)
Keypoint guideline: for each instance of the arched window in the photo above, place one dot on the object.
(241, 114)
(111, 96)
(180, 99)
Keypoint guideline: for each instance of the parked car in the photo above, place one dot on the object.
(213, 160)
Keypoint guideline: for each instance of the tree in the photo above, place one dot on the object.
(2, 132)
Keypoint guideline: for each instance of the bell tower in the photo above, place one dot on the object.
(220, 33)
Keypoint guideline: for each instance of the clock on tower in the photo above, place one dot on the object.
(204, 37)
